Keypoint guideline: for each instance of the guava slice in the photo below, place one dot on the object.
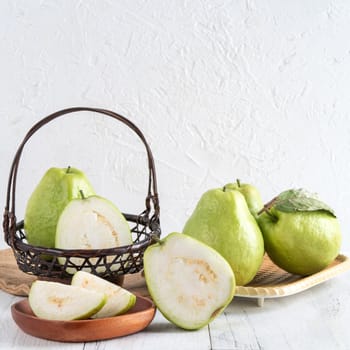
(58, 301)
(189, 282)
(119, 300)
(91, 223)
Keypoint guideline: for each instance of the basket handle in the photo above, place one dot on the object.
(152, 195)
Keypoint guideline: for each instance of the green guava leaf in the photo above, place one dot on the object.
(300, 200)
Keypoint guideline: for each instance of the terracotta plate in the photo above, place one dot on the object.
(135, 320)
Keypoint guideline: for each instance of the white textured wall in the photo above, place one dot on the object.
(222, 89)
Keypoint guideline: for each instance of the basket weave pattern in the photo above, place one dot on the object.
(108, 263)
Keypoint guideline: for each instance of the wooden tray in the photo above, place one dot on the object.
(273, 282)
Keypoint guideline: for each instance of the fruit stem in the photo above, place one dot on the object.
(156, 239)
(266, 209)
(268, 206)
(224, 188)
(68, 169)
(82, 194)
(273, 217)
(238, 182)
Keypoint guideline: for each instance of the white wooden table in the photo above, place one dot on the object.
(318, 318)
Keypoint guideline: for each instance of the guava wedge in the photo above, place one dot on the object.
(57, 301)
(91, 223)
(119, 300)
(189, 282)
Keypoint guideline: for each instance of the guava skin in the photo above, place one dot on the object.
(301, 243)
(223, 221)
(251, 195)
(54, 191)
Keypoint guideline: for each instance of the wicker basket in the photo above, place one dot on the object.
(111, 263)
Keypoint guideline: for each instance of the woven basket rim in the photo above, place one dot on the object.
(85, 253)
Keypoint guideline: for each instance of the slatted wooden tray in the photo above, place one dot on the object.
(273, 282)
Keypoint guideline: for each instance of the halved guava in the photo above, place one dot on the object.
(91, 223)
(190, 282)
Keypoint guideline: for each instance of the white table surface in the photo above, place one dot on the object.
(318, 318)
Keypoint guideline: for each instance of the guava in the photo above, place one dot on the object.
(223, 221)
(302, 234)
(55, 190)
(251, 195)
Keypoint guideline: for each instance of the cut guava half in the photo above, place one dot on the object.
(119, 300)
(190, 282)
(91, 223)
(58, 301)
